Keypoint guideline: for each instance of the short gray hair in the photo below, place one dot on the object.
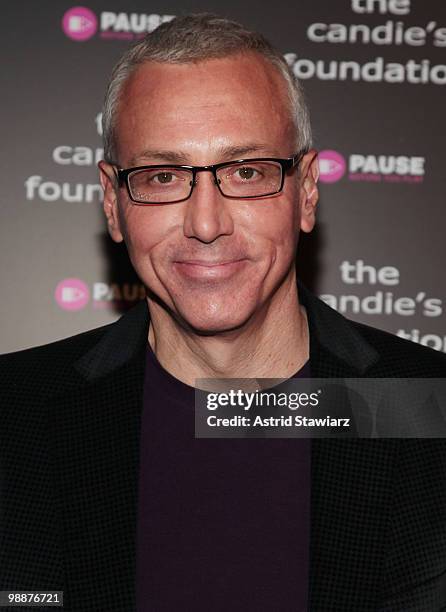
(199, 37)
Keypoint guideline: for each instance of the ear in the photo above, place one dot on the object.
(309, 193)
(108, 180)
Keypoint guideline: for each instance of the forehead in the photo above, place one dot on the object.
(203, 105)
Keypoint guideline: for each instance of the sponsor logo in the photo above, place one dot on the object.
(106, 295)
(79, 23)
(371, 168)
(331, 166)
(46, 189)
(72, 294)
(387, 168)
(67, 155)
(376, 71)
(52, 191)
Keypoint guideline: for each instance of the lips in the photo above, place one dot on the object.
(209, 270)
(202, 262)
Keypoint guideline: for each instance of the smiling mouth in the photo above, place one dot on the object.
(208, 264)
(203, 269)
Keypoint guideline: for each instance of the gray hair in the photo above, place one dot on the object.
(199, 37)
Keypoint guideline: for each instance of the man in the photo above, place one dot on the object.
(107, 494)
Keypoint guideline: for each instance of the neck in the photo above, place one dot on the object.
(274, 343)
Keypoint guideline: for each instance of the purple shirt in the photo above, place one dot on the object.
(223, 524)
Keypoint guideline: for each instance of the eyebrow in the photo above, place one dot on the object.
(224, 153)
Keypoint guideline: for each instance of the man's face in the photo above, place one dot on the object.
(214, 262)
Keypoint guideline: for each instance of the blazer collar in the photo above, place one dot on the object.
(336, 348)
(119, 345)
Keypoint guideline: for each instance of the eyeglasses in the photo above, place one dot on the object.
(239, 179)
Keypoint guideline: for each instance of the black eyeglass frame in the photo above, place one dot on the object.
(286, 164)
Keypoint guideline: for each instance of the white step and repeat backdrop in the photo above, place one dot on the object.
(375, 74)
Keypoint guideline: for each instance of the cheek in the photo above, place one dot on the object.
(144, 228)
(274, 223)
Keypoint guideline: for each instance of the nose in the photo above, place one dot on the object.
(207, 212)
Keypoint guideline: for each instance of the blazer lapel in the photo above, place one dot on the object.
(96, 434)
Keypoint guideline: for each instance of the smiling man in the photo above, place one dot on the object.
(214, 247)
(107, 495)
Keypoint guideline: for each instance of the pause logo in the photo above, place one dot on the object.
(332, 166)
(72, 294)
(79, 23)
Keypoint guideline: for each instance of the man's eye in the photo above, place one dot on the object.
(247, 173)
(163, 177)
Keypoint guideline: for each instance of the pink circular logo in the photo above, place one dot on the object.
(331, 165)
(79, 23)
(72, 294)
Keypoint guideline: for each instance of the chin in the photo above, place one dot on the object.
(218, 323)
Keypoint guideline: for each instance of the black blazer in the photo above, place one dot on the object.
(69, 452)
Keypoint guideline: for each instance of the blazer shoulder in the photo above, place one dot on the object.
(401, 357)
(45, 370)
